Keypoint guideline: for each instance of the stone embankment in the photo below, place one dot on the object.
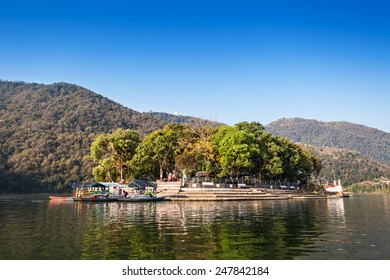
(174, 191)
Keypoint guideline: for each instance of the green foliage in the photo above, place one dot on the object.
(196, 151)
(236, 147)
(157, 150)
(228, 151)
(378, 185)
(246, 147)
(113, 153)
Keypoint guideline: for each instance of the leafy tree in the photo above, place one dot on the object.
(235, 149)
(196, 151)
(158, 150)
(271, 163)
(113, 153)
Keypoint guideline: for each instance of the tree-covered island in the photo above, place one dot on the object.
(217, 152)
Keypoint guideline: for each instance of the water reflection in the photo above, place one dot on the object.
(199, 230)
(35, 228)
(336, 209)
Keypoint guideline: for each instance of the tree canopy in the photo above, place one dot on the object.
(113, 153)
(226, 151)
(157, 151)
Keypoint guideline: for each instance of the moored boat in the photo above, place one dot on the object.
(98, 199)
(136, 191)
(61, 198)
(142, 191)
(96, 192)
(334, 188)
(141, 198)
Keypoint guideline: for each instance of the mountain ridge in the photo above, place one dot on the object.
(371, 142)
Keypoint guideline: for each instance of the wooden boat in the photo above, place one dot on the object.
(60, 198)
(141, 198)
(98, 199)
(142, 191)
(95, 192)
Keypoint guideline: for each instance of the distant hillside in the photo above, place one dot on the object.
(46, 130)
(170, 118)
(368, 141)
(349, 166)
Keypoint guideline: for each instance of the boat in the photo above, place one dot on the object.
(136, 191)
(141, 198)
(96, 192)
(334, 188)
(61, 198)
(98, 199)
(143, 191)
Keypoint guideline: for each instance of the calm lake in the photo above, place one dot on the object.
(33, 227)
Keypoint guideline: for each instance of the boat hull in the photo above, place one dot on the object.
(61, 198)
(98, 199)
(141, 199)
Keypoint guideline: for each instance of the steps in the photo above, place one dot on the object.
(212, 194)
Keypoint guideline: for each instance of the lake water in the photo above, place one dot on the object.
(33, 227)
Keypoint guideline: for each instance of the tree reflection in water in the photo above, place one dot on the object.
(200, 230)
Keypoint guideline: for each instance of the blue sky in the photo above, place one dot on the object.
(228, 61)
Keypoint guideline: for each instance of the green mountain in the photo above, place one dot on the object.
(371, 142)
(348, 165)
(46, 130)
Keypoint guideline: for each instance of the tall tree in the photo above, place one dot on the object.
(113, 153)
(236, 147)
(196, 152)
(158, 149)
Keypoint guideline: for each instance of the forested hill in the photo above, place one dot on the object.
(368, 141)
(349, 166)
(171, 118)
(46, 130)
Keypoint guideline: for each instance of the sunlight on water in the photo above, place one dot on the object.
(32, 227)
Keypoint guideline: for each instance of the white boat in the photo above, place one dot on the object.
(334, 188)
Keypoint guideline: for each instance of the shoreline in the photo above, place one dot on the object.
(226, 194)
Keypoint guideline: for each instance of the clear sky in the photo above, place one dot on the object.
(228, 61)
